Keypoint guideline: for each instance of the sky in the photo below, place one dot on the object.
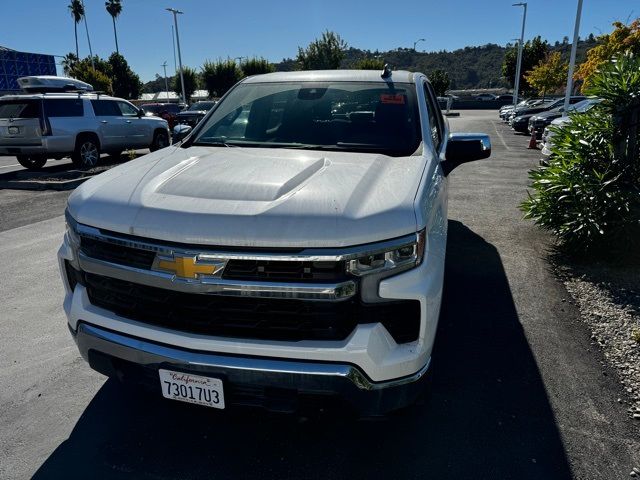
(214, 29)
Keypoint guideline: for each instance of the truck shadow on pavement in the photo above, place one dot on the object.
(488, 416)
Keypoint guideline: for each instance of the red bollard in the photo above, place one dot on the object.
(533, 144)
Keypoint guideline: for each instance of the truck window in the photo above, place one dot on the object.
(435, 118)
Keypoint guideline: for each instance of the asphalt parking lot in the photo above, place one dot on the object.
(518, 390)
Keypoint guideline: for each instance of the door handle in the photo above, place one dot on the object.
(103, 121)
(128, 121)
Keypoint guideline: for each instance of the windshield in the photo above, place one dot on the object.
(584, 105)
(201, 106)
(345, 116)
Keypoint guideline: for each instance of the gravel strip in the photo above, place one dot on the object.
(608, 297)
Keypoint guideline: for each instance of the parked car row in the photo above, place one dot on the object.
(536, 116)
(546, 132)
(518, 117)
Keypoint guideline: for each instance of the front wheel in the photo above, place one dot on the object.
(33, 162)
(86, 154)
(160, 141)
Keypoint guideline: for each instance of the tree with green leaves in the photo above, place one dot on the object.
(325, 53)
(114, 8)
(369, 63)
(549, 75)
(218, 77)
(76, 8)
(439, 81)
(126, 83)
(533, 52)
(191, 82)
(256, 66)
(99, 77)
(624, 38)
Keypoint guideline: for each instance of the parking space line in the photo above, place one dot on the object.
(7, 166)
(500, 136)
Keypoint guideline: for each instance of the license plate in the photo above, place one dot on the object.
(189, 388)
(14, 130)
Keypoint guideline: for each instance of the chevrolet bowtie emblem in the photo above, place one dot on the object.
(188, 267)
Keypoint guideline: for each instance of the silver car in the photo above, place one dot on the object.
(40, 126)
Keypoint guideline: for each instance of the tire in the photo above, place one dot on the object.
(160, 140)
(33, 162)
(87, 152)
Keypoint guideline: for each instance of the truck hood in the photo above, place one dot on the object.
(251, 197)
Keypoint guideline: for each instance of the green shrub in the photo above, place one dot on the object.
(256, 66)
(589, 193)
(369, 64)
(220, 76)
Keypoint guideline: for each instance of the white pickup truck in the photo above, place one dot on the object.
(290, 249)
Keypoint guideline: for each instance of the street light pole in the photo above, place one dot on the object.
(572, 58)
(175, 22)
(416, 42)
(166, 83)
(520, 48)
(173, 42)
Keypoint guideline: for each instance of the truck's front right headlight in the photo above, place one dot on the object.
(72, 230)
(401, 257)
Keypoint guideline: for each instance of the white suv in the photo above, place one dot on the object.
(36, 127)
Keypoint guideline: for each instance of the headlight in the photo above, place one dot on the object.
(72, 229)
(401, 257)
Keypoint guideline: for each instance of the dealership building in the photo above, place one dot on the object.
(14, 64)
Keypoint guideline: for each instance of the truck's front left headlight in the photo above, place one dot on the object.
(398, 258)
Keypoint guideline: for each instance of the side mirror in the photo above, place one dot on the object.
(180, 131)
(140, 113)
(465, 147)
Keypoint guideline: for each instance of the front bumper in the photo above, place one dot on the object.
(271, 383)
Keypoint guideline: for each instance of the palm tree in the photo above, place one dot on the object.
(77, 12)
(114, 7)
(69, 62)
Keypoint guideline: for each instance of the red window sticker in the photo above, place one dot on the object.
(392, 99)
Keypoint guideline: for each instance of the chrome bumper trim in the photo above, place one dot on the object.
(219, 286)
(138, 351)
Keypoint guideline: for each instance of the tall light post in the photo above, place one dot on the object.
(520, 47)
(572, 58)
(86, 27)
(175, 22)
(166, 83)
(416, 42)
(173, 42)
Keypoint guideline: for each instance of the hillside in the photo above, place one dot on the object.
(469, 67)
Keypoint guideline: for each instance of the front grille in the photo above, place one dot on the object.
(269, 270)
(254, 318)
(119, 254)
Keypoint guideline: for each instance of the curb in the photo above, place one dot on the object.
(59, 185)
